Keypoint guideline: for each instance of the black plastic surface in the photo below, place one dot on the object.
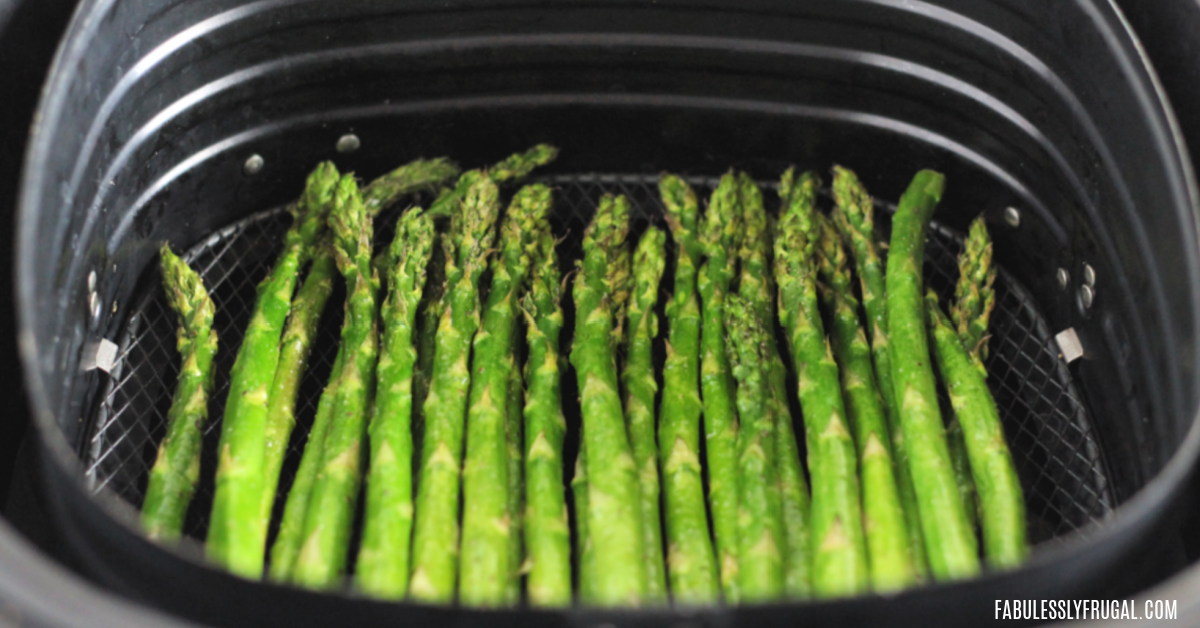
(1046, 107)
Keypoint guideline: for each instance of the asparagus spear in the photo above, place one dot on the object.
(516, 479)
(691, 563)
(177, 468)
(838, 547)
(756, 285)
(854, 216)
(950, 542)
(334, 496)
(887, 537)
(295, 348)
(237, 532)
(430, 308)
(510, 169)
(722, 234)
(961, 463)
(486, 567)
(640, 388)
(435, 536)
(383, 557)
(614, 512)
(415, 176)
(974, 296)
(760, 508)
(547, 535)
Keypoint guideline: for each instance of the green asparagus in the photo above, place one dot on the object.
(547, 535)
(760, 508)
(435, 536)
(613, 510)
(383, 558)
(887, 536)
(721, 236)
(640, 388)
(837, 540)
(510, 169)
(516, 475)
(950, 542)
(322, 557)
(486, 569)
(757, 286)
(177, 468)
(585, 556)
(974, 296)
(855, 219)
(237, 532)
(691, 563)
(416, 176)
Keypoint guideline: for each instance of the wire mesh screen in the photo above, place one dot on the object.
(1058, 457)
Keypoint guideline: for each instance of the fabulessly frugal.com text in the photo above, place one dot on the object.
(1054, 610)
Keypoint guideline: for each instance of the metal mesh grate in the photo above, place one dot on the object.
(1058, 457)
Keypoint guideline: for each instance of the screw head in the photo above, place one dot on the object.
(1089, 275)
(1012, 216)
(1087, 296)
(348, 143)
(1063, 277)
(254, 164)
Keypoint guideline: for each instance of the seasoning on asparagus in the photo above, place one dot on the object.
(237, 532)
(435, 535)
(416, 176)
(547, 535)
(177, 467)
(950, 542)
(614, 509)
(721, 236)
(383, 558)
(691, 563)
(322, 557)
(887, 536)
(486, 569)
(760, 509)
(854, 215)
(640, 388)
(757, 286)
(837, 540)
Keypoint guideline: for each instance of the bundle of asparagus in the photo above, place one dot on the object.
(440, 363)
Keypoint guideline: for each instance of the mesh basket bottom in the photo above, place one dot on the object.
(1058, 456)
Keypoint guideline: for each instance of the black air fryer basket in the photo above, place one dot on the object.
(188, 122)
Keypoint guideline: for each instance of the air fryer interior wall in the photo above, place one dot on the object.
(154, 107)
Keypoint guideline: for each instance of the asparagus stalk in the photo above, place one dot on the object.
(416, 176)
(722, 234)
(640, 388)
(510, 169)
(585, 555)
(486, 568)
(838, 547)
(322, 557)
(431, 307)
(1001, 500)
(291, 527)
(887, 537)
(547, 535)
(383, 558)
(960, 461)
(691, 563)
(974, 296)
(435, 536)
(760, 508)
(757, 287)
(854, 216)
(516, 479)
(295, 348)
(177, 468)
(950, 542)
(614, 512)
(237, 532)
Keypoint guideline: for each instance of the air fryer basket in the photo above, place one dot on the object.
(153, 109)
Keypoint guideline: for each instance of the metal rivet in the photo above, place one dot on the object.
(92, 281)
(1012, 216)
(254, 164)
(94, 305)
(1064, 278)
(348, 143)
(1086, 296)
(1089, 275)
